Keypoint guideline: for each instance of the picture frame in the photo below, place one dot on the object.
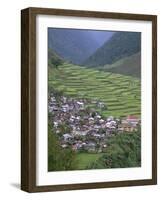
(29, 98)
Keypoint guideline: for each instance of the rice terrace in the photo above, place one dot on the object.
(121, 94)
(94, 99)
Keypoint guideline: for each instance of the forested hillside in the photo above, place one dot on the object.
(121, 45)
(75, 45)
(54, 59)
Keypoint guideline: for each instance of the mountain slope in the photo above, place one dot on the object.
(54, 60)
(121, 44)
(75, 45)
(130, 66)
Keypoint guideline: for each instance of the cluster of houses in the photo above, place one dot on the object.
(83, 128)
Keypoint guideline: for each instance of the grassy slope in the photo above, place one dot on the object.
(127, 66)
(85, 159)
(120, 93)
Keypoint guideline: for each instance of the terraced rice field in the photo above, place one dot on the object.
(120, 93)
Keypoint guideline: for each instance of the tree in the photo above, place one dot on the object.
(123, 150)
(54, 59)
(58, 158)
(56, 62)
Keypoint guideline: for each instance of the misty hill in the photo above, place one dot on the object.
(130, 66)
(120, 45)
(76, 45)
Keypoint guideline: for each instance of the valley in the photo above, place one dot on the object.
(94, 99)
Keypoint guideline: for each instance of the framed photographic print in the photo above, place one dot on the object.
(89, 99)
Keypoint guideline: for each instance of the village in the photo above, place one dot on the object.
(79, 125)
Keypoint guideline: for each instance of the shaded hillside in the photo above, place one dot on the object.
(121, 44)
(54, 60)
(76, 45)
(130, 66)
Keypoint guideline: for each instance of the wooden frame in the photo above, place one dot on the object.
(28, 99)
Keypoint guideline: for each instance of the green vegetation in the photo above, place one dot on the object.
(124, 150)
(130, 66)
(109, 77)
(72, 45)
(85, 159)
(120, 94)
(121, 45)
(59, 159)
(53, 59)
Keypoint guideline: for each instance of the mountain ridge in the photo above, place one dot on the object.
(121, 44)
(75, 45)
